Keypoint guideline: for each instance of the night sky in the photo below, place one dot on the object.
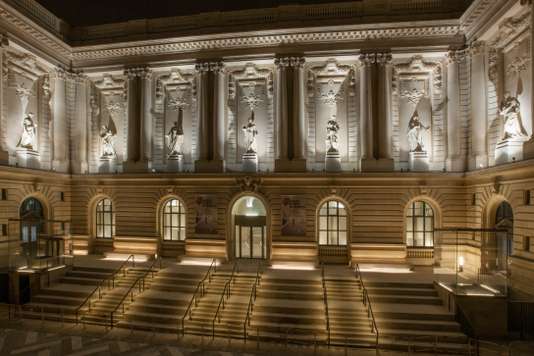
(94, 12)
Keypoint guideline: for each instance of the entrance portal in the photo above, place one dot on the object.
(31, 225)
(249, 217)
(504, 219)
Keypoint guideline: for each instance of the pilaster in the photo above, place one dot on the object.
(290, 114)
(211, 117)
(528, 147)
(4, 154)
(479, 151)
(81, 127)
(60, 161)
(454, 163)
(139, 120)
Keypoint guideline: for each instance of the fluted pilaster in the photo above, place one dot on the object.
(455, 163)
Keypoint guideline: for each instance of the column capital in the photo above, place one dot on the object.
(456, 55)
(138, 72)
(384, 58)
(289, 61)
(214, 66)
(367, 59)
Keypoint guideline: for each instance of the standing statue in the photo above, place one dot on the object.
(250, 132)
(510, 110)
(107, 136)
(29, 133)
(175, 137)
(332, 128)
(415, 134)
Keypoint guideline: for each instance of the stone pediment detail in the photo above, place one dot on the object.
(511, 28)
(249, 75)
(249, 184)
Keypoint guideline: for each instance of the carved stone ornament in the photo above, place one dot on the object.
(414, 96)
(107, 137)
(415, 133)
(285, 62)
(511, 113)
(28, 138)
(209, 66)
(249, 184)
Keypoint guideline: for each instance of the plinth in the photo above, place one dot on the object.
(106, 164)
(509, 150)
(419, 161)
(28, 158)
(250, 162)
(332, 161)
(175, 163)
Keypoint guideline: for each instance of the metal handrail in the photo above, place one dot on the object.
(325, 300)
(251, 301)
(200, 287)
(226, 292)
(367, 302)
(98, 288)
(141, 287)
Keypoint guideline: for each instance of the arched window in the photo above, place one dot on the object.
(333, 224)
(105, 219)
(173, 221)
(420, 225)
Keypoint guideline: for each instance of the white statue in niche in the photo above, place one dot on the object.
(510, 110)
(250, 132)
(29, 133)
(107, 137)
(332, 128)
(175, 137)
(415, 133)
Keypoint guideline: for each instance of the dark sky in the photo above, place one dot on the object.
(93, 12)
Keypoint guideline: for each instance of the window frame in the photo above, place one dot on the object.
(180, 228)
(428, 233)
(101, 212)
(333, 233)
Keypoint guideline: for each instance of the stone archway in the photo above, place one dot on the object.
(249, 228)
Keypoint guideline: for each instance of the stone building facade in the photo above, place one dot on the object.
(374, 105)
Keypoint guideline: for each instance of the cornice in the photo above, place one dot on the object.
(33, 35)
(481, 14)
(270, 41)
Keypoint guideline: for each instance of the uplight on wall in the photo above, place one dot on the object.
(461, 262)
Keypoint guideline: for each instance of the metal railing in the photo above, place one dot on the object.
(200, 288)
(140, 284)
(251, 301)
(325, 301)
(367, 303)
(108, 281)
(225, 293)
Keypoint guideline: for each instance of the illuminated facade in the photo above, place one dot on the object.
(341, 139)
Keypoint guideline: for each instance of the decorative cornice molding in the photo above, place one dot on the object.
(286, 62)
(175, 46)
(214, 66)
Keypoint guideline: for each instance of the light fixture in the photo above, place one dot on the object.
(461, 262)
(250, 202)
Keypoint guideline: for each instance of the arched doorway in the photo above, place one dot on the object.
(32, 224)
(503, 242)
(249, 218)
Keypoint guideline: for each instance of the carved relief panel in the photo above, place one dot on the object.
(250, 99)
(175, 113)
(417, 110)
(331, 89)
(108, 121)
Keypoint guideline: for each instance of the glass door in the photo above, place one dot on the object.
(250, 237)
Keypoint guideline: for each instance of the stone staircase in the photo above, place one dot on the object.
(349, 321)
(100, 312)
(160, 309)
(410, 315)
(61, 300)
(289, 308)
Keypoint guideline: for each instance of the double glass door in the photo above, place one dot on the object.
(250, 237)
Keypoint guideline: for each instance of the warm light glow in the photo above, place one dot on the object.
(198, 262)
(124, 257)
(250, 202)
(445, 286)
(461, 261)
(479, 295)
(56, 268)
(294, 266)
(376, 269)
(490, 289)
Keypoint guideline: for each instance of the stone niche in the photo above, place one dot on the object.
(250, 89)
(108, 108)
(509, 74)
(175, 106)
(417, 92)
(332, 94)
(27, 94)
